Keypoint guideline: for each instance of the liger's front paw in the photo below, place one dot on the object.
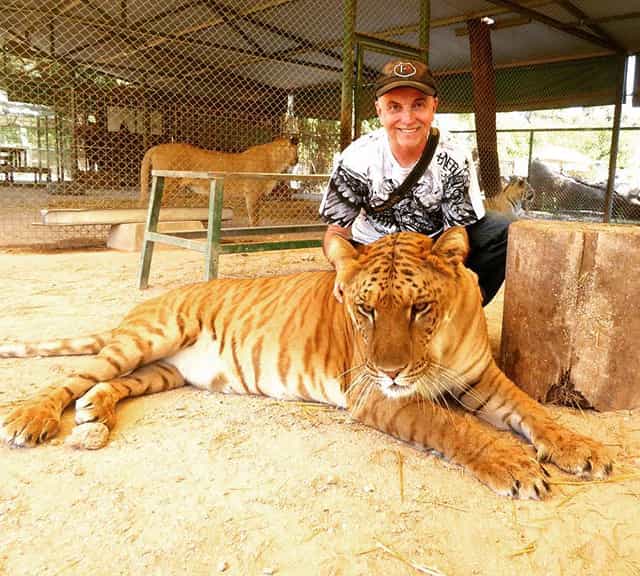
(511, 470)
(97, 405)
(574, 453)
(30, 423)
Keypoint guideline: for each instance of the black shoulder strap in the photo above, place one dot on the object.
(418, 170)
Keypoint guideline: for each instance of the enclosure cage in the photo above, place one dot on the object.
(87, 87)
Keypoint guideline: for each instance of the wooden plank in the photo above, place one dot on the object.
(243, 175)
(571, 321)
(280, 231)
(174, 240)
(237, 248)
(75, 217)
(268, 230)
(30, 169)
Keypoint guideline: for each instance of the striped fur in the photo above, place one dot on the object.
(516, 196)
(407, 353)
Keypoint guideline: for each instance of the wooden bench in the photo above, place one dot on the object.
(216, 239)
(127, 224)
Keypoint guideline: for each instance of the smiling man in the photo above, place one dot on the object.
(366, 198)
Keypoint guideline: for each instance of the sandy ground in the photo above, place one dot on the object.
(197, 483)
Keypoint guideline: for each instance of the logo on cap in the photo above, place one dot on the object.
(404, 70)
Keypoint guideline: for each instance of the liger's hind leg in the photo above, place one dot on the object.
(99, 403)
(253, 207)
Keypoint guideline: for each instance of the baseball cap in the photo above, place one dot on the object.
(411, 73)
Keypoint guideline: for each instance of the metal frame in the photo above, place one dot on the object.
(363, 43)
(214, 237)
(354, 46)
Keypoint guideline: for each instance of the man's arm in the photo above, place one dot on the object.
(335, 230)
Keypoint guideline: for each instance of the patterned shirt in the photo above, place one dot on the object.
(446, 195)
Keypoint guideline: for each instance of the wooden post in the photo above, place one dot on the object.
(571, 323)
(424, 31)
(484, 105)
(635, 97)
(615, 136)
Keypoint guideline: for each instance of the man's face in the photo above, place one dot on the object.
(406, 114)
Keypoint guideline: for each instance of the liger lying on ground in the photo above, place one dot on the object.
(406, 353)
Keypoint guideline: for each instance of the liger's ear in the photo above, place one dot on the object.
(452, 246)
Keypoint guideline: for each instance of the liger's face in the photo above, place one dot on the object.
(406, 114)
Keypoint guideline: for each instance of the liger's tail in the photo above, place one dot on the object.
(81, 346)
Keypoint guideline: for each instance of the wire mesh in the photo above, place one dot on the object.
(87, 88)
(91, 87)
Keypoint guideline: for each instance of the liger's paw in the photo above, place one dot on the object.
(574, 453)
(97, 405)
(511, 470)
(30, 423)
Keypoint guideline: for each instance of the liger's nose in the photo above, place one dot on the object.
(393, 374)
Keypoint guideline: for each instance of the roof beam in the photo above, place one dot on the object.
(557, 24)
(499, 25)
(233, 24)
(156, 39)
(173, 11)
(452, 20)
(128, 35)
(582, 17)
(613, 18)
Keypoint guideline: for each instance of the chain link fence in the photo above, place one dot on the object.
(87, 88)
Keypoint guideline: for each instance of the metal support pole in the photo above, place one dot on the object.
(357, 121)
(346, 108)
(151, 226)
(424, 31)
(635, 96)
(530, 153)
(74, 119)
(48, 151)
(214, 236)
(39, 141)
(615, 135)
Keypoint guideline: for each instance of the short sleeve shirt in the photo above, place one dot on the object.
(366, 173)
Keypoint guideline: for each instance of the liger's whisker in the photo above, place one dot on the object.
(362, 397)
(461, 388)
(349, 370)
(355, 382)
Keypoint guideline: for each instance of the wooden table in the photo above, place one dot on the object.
(13, 155)
(12, 158)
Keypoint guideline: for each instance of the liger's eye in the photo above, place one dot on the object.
(421, 307)
(366, 310)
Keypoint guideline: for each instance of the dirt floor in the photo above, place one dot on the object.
(198, 483)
